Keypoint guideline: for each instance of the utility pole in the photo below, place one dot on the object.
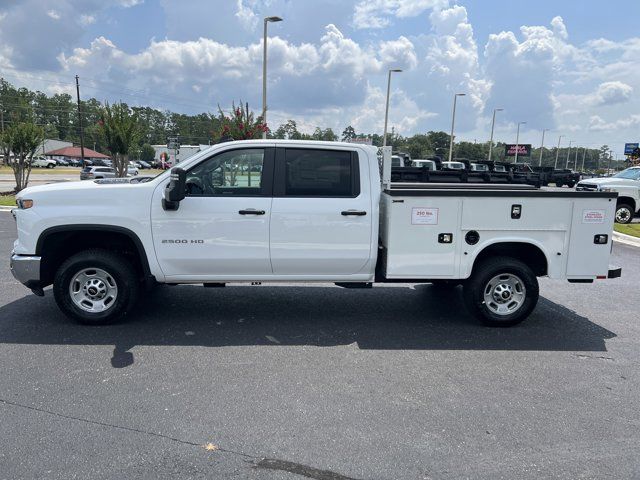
(575, 161)
(566, 165)
(266, 20)
(493, 124)
(386, 110)
(584, 153)
(542, 146)
(518, 141)
(453, 123)
(80, 122)
(1, 110)
(555, 165)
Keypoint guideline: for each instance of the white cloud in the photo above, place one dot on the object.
(246, 16)
(86, 20)
(610, 93)
(302, 77)
(598, 124)
(376, 13)
(53, 14)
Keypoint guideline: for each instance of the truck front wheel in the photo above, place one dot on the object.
(624, 213)
(96, 287)
(501, 292)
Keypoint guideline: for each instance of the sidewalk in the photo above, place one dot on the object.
(626, 239)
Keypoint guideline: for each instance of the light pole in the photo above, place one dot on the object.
(453, 123)
(493, 124)
(264, 71)
(566, 166)
(386, 110)
(542, 146)
(555, 165)
(575, 160)
(584, 153)
(518, 141)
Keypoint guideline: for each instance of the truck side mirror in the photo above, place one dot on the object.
(176, 189)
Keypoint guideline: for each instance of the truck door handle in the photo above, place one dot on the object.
(251, 211)
(357, 213)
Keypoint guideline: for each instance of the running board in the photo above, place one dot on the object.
(354, 284)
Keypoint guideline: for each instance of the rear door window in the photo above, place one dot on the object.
(318, 173)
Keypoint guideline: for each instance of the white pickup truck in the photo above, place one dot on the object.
(626, 184)
(303, 211)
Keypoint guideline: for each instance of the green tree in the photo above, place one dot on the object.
(121, 132)
(439, 142)
(22, 139)
(288, 130)
(348, 133)
(147, 153)
(418, 146)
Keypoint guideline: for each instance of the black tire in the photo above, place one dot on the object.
(119, 270)
(50, 165)
(624, 213)
(479, 283)
(571, 184)
(559, 184)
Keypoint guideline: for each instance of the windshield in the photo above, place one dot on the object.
(629, 173)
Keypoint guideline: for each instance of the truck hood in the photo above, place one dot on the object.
(610, 182)
(79, 186)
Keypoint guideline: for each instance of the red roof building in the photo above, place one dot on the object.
(74, 152)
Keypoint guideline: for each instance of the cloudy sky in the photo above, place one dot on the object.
(569, 66)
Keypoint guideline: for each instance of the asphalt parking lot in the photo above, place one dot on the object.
(321, 382)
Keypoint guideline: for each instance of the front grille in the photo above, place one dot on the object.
(586, 187)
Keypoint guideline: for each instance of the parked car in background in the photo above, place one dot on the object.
(132, 170)
(95, 173)
(452, 166)
(43, 162)
(626, 184)
(479, 167)
(61, 162)
(422, 163)
(142, 165)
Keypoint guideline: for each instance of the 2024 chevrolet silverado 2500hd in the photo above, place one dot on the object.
(259, 211)
(626, 184)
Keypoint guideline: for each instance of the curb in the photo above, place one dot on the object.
(626, 239)
(5, 208)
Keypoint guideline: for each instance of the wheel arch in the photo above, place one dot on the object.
(629, 201)
(56, 244)
(529, 252)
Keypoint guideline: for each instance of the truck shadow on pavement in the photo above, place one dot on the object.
(385, 318)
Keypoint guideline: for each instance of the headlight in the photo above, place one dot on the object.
(24, 203)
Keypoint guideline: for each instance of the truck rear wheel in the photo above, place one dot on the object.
(96, 287)
(624, 213)
(501, 292)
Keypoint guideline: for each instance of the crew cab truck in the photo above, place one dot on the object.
(300, 211)
(626, 184)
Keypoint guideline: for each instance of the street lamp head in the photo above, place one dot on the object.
(395, 70)
(460, 94)
(521, 123)
(498, 109)
(273, 19)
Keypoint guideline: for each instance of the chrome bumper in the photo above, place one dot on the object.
(26, 269)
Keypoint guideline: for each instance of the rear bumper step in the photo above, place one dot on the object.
(614, 272)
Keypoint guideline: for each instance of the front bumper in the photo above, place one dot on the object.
(26, 269)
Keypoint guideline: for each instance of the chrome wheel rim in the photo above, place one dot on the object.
(504, 294)
(93, 290)
(623, 215)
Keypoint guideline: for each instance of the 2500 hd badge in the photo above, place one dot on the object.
(183, 241)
